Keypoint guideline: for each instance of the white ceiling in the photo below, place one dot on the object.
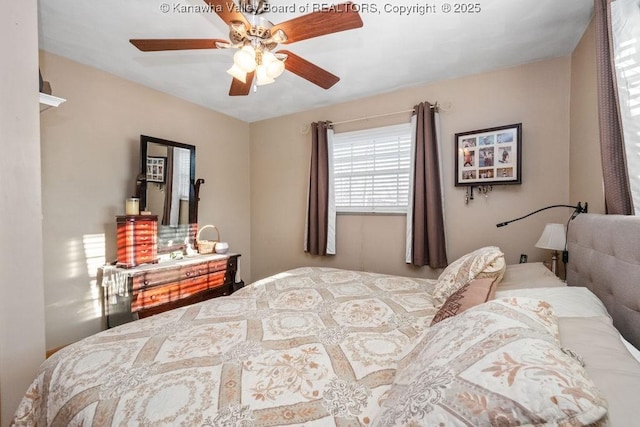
(389, 52)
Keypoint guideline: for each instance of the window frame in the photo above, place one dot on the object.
(383, 136)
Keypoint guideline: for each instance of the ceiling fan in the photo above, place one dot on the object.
(256, 40)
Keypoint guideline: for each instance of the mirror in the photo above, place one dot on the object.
(166, 187)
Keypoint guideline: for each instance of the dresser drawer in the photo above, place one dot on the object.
(155, 277)
(217, 279)
(194, 285)
(148, 238)
(149, 226)
(135, 237)
(155, 296)
(145, 256)
(218, 265)
(191, 271)
(152, 278)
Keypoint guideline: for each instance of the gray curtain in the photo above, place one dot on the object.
(617, 192)
(428, 246)
(317, 224)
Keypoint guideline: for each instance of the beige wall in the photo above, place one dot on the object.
(90, 158)
(585, 180)
(535, 94)
(22, 342)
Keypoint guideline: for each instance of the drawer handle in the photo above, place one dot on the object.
(146, 282)
(188, 274)
(152, 297)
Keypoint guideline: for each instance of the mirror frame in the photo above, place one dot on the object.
(142, 179)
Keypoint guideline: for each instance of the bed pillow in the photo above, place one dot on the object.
(487, 262)
(476, 292)
(493, 365)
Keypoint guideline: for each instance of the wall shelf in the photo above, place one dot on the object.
(48, 101)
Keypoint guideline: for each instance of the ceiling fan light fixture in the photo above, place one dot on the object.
(268, 57)
(245, 59)
(255, 37)
(275, 68)
(262, 76)
(238, 73)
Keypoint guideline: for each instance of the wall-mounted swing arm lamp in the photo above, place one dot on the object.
(578, 209)
(554, 235)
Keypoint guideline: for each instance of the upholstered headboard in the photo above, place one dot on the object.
(604, 256)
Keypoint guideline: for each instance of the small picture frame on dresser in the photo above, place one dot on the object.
(156, 169)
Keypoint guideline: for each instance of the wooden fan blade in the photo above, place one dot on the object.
(241, 89)
(151, 45)
(227, 11)
(309, 71)
(337, 18)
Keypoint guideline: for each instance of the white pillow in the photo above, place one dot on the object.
(567, 301)
(498, 363)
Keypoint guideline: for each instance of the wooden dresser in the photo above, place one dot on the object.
(137, 238)
(134, 293)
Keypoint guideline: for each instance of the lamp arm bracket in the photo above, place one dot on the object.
(578, 209)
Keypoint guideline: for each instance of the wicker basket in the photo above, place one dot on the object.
(207, 246)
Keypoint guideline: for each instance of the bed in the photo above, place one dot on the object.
(319, 346)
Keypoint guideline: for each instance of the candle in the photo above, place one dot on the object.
(132, 206)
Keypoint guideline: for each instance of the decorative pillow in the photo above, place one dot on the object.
(487, 262)
(494, 271)
(474, 293)
(495, 364)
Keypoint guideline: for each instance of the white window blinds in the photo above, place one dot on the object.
(625, 28)
(181, 182)
(182, 161)
(371, 169)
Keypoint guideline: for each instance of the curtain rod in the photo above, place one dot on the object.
(436, 106)
(371, 117)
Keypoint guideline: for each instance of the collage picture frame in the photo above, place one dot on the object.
(489, 156)
(156, 169)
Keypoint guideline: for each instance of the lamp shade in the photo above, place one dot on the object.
(273, 65)
(262, 78)
(275, 68)
(238, 73)
(553, 237)
(245, 59)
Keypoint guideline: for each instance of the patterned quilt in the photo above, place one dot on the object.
(310, 346)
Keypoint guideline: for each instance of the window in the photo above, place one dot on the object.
(371, 169)
(625, 22)
(182, 161)
(181, 183)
